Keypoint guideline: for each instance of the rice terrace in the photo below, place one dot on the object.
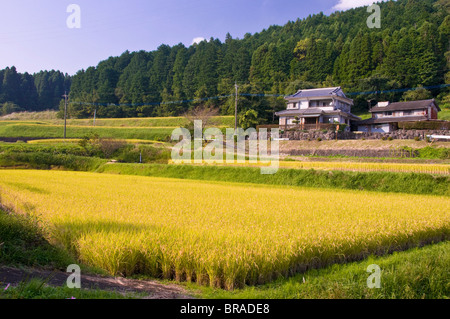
(144, 177)
(217, 234)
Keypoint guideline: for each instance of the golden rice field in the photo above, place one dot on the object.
(357, 166)
(217, 234)
(372, 167)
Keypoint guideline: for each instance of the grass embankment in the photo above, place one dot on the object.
(410, 183)
(42, 130)
(419, 273)
(159, 129)
(22, 243)
(37, 288)
(347, 166)
(85, 155)
(444, 114)
(49, 117)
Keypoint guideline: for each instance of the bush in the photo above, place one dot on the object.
(390, 138)
(425, 125)
(150, 154)
(101, 147)
(39, 160)
(434, 153)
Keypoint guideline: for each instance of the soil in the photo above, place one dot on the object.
(153, 289)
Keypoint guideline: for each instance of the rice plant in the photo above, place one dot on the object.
(218, 234)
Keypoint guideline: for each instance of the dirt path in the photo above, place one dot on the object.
(154, 289)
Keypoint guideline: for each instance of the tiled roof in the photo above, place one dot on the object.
(315, 92)
(402, 106)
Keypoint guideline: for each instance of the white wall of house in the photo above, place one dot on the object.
(400, 113)
(381, 128)
(304, 104)
(292, 106)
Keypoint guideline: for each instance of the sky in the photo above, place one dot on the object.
(35, 35)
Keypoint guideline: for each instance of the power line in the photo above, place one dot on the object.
(249, 95)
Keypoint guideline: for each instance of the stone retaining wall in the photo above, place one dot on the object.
(397, 135)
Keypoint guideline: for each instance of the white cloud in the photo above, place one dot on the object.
(348, 4)
(197, 40)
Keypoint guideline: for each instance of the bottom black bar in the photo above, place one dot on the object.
(222, 308)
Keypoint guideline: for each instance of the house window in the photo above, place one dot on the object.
(388, 113)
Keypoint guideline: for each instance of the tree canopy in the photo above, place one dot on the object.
(411, 49)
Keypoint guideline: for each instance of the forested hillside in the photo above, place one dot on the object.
(26, 92)
(411, 49)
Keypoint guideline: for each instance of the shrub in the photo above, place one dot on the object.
(434, 153)
(150, 154)
(425, 125)
(101, 147)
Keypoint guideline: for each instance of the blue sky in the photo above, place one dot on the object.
(34, 35)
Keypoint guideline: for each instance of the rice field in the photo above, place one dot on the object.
(372, 167)
(218, 234)
(356, 166)
(43, 130)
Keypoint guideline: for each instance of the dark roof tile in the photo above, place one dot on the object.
(402, 106)
(315, 92)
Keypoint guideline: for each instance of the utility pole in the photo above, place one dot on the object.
(235, 108)
(66, 97)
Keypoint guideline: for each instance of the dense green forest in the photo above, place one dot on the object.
(26, 92)
(410, 50)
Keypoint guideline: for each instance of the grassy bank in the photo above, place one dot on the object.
(419, 273)
(42, 130)
(22, 243)
(410, 183)
(38, 289)
(40, 160)
(50, 118)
